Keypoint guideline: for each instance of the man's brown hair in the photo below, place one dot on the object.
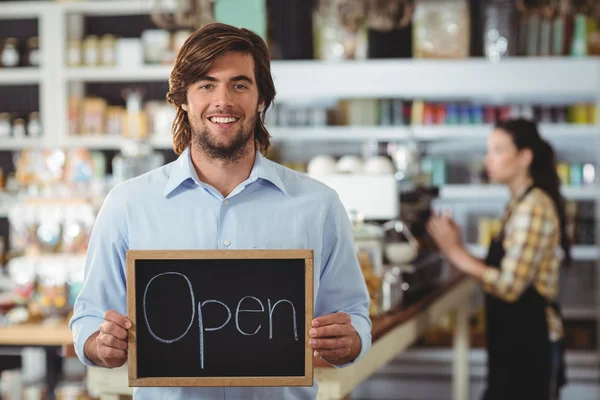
(195, 59)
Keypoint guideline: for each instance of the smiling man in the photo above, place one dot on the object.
(222, 193)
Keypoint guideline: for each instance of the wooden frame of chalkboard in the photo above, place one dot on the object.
(140, 261)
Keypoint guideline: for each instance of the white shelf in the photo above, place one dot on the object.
(19, 76)
(111, 142)
(498, 192)
(22, 9)
(339, 133)
(108, 7)
(353, 133)
(579, 253)
(115, 74)
(19, 144)
(482, 131)
(516, 78)
(521, 78)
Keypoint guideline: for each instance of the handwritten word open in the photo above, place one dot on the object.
(238, 310)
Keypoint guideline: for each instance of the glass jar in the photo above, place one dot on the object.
(74, 53)
(91, 50)
(107, 50)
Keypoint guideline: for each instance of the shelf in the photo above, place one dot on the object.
(116, 74)
(339, 133)
(518, 78)
(22, 9)
(498, 192)
(19, 76)
(20, 144)
(514, 78)
(579, 253)
(112, 142)
(108, 7)
(481, 132)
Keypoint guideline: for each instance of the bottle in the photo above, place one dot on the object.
(34, 128)
(4, 125)
(10, 54)
(32, 57)
(18, 128)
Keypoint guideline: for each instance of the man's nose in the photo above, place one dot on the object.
(222, 97)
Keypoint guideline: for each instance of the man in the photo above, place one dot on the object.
(222, 193)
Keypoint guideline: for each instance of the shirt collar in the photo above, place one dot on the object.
(183, 170)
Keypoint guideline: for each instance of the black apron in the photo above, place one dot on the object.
(518, 346)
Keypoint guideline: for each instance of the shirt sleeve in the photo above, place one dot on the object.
(104, 286)
(528, 231)
(342, 286)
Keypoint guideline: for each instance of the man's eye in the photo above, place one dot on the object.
(206, 87)
(240, 86)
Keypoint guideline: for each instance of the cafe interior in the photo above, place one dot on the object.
(388, 102)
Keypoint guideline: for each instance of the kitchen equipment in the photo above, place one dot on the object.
(404, 247)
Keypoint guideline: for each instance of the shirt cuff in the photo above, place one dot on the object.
(490, 277)
(363, 328)
(81, 333)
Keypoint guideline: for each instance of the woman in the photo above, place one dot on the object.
(521, 271)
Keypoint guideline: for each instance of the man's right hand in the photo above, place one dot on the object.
(108, 347)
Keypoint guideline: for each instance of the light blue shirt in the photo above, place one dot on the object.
(170, 208)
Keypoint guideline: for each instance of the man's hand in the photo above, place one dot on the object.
(334, 339)
(108, 347)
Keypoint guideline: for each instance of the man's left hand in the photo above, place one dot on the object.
(334, 339)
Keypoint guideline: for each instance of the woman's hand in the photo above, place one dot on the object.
(445, 232)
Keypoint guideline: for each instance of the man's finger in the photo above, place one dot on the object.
(110, 353)
(330, 331)
(113, 329)
(111, 341)
(332, 354)
(121, 320)
(330, 344)
(330, 319)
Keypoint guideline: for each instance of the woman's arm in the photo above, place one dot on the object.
(532, 230)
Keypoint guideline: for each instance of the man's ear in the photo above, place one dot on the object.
(184, 107)
(261, 106)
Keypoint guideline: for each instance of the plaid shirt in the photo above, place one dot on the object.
(531, 239)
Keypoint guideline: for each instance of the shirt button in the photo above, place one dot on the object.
(227, 242)
(225, 202)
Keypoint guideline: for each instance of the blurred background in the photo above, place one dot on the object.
(387, 101)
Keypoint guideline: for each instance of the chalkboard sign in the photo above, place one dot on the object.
(220, 317)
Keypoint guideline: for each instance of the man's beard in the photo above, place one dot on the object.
(230, 153)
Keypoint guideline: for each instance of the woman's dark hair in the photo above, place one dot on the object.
(525, 135)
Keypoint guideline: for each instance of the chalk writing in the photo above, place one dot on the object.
(237, 313)
(155, 336)
(271, 317)
(201, 326)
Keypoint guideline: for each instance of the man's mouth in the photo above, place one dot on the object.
(223, 120)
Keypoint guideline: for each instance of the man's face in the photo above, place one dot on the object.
(222, 108)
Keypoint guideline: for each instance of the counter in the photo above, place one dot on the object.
(56, 340)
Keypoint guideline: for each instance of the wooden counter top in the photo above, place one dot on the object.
(386, 322)
(35, 334)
